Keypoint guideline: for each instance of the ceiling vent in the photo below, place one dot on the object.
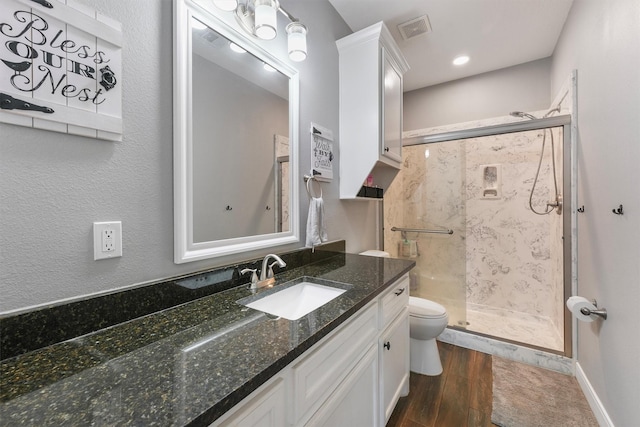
(415, 27)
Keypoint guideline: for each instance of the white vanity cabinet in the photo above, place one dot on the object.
(266, 407)
(391, 143)
(354, 402)
(349, 378)
(393, 347)
(394, 364)
(370, 72)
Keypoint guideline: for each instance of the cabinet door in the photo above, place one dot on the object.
(354, 403)
(316, 375)
(391, 143)
(266, 409)
(394, 364)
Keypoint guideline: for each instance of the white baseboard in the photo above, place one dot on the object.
(592, 398)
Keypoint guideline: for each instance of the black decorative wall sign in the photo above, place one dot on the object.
(60, 68)
(321, 152)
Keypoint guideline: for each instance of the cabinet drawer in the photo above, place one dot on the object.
(393, 301)
(318, 374)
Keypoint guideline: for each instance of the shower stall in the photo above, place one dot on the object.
(483, 212)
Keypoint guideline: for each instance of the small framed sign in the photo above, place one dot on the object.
(60, 68)
(321, 152)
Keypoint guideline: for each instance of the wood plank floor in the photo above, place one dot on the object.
(461, 396)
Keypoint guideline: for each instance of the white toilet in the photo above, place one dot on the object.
(427, 320)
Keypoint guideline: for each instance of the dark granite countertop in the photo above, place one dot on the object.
(185, 365)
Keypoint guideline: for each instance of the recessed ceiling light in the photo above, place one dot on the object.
(461, 60)
(197, 25)
(234, 47)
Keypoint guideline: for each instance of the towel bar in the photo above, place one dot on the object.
(422, 230)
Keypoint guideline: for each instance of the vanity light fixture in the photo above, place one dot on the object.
(266, 19)
(460, 60)
(226, 5)
(297, 41)
(259, 18)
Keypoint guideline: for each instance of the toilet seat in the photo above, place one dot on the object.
(375, 253)
(425, 309)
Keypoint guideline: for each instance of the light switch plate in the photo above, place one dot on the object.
(107, 240)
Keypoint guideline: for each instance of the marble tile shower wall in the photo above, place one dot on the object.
(504, 257)
(509, 251)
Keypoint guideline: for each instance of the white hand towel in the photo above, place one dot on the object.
(316, 233)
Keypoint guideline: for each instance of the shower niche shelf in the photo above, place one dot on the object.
(371, 70)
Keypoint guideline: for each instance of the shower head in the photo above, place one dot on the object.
(522, 115)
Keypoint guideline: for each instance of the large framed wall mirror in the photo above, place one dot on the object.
(235, 139)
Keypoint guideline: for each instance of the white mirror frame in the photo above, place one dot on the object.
(185, 249)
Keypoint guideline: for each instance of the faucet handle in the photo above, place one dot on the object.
(254, 275)
(270, 271)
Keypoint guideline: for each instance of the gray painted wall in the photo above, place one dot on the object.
(522, 87)
(54, 186)
(600, 40)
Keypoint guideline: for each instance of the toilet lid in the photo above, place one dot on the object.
(421, 307)
(372, 252)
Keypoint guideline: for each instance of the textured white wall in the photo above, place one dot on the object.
(522, 87)
(54, 186)
(600, 40)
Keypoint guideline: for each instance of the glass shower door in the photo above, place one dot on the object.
(501, 272)
(427, 197)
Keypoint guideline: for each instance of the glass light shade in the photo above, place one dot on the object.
(266, 19)
(226, 5)
(297, 41)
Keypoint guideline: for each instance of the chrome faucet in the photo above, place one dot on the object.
(266, 274)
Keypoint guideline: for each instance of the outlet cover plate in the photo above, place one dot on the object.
(107, 240)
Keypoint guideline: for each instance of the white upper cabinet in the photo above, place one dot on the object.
(371, 70)
(391, 144)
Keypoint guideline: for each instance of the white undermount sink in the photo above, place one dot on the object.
(295, 301)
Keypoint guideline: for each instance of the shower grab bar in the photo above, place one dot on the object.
(421, 230)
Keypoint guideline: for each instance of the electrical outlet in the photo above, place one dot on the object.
(107, 240)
